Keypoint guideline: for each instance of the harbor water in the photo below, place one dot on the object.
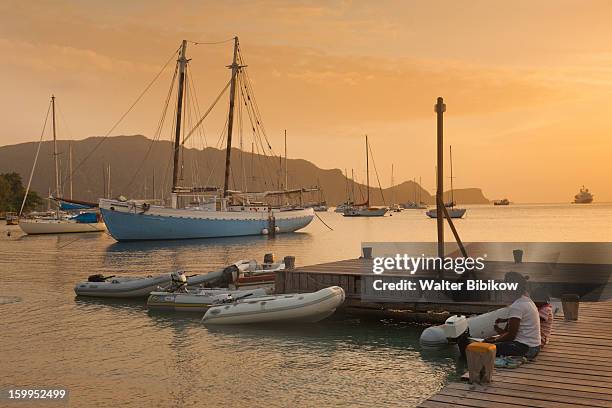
(116, 353)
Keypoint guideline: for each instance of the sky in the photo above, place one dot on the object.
(528, 84)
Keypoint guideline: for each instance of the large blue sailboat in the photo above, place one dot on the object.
(204, 212)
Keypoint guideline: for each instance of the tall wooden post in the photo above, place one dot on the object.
(440, 108)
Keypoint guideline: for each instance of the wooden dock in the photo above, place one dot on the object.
(355, 277)
(574, 370)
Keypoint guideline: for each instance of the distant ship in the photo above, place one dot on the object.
(583, 197)
(503, 201)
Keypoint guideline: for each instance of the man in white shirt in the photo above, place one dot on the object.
(521, 337)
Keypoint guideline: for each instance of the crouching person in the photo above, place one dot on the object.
(521, 336)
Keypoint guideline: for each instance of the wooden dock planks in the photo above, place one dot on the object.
(574, 370)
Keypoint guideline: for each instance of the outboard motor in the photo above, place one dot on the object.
(98, 277)
(230, 274)
(454, 330)
(178, 280)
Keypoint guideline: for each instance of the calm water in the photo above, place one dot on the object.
(117, 354)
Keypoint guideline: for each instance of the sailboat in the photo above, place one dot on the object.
(60, 222)
(364, 210)
(416, 204)
(453, 212)
(321, 205)
(221, 213)
(350, 193)
(394, 207)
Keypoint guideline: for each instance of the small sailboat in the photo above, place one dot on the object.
(394, 207)
(291, 308)
(87, 220)
(417, 202)
(364, 210)
(453, 212)
(218, 212)
(321, 205)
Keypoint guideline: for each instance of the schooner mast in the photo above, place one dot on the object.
(182, 66)
(230, 121)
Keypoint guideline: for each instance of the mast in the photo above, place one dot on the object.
(182, 62)
(353, 184)
(420, 183)
(153, 184)
(70, 167)
(108, 180)
(450, 150)
(230, 121)
(55, 154)
(253, 188)
(367, 173)
(286, 173)
(104, 179)
(392, 187)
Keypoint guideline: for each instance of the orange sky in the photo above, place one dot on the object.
(527, 84)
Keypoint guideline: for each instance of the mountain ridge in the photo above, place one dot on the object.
(132, 175)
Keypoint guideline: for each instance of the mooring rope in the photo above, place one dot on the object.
(320, 219)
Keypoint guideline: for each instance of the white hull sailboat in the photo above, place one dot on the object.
(61, 222)
(364, 210)
(36, 226)
(225, 213)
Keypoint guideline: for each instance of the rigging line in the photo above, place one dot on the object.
(210, 42)
(42, 134)
(210, 108)
(241, 132)
(157, 133)
(254, 101)
(126, 112)
(376, 172)
(197, 109)
(219, 144)
(166, 181)
(202, 133)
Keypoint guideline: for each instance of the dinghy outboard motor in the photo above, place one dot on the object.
(177, 280)
(98, 277)
(230, 274)
(454, 330)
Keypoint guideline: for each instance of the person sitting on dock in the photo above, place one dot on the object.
(521, 337)
(545, 310)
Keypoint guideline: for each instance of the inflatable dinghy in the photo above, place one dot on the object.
(300, 307)
(198, 300)
(120, 287)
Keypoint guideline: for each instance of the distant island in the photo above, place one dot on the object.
(135, 177)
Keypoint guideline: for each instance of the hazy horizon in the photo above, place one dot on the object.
(526, 101)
